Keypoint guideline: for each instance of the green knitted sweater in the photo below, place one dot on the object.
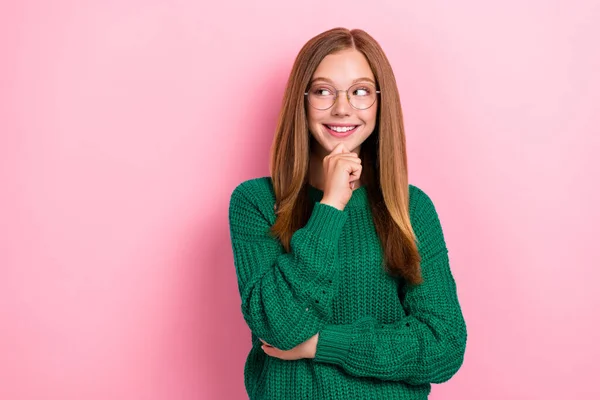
(379, 338)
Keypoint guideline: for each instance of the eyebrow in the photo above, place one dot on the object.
(353, 82)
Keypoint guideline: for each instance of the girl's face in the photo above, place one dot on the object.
(341, 123)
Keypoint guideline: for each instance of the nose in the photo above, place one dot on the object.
(341, 106)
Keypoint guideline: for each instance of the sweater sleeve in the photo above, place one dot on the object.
(286, 297)
(428, 345)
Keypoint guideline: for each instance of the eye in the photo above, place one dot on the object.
(322, 91)
(362, 91)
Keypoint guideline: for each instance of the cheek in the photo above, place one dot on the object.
(310, 116)
(370, 116)
(313, 117)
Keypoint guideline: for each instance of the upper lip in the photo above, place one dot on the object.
(341, 125)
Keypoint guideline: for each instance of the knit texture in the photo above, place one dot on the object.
(379, 338)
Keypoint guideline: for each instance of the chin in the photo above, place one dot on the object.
(327, 143)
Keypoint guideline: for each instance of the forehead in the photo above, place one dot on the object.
(344, 67)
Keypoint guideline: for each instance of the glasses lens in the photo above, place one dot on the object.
(321, 96)
(362, 95)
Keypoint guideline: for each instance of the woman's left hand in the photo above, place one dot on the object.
(303, 350)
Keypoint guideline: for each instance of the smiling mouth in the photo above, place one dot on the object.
(341, 131)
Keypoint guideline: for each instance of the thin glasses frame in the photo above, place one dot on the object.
(337, 91)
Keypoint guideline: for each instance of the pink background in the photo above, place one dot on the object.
(125, 125)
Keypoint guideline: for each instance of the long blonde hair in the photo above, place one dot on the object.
(385, 170)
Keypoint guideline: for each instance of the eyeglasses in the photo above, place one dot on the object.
(360, 95)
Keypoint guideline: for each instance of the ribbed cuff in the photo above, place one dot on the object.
(334, 344)
(326, 221)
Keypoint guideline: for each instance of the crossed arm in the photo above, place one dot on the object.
(286, 298)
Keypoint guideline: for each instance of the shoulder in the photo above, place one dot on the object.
(255, 192)
(259, 187)
(423, 213)
(251, 211)
(418, 199)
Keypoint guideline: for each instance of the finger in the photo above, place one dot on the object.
(281, 354)
(354, 169)
(272, 351)
(338, 149)
(348, 157)
(354, 176)
(342, 159)
(353, 179)
(268, 350)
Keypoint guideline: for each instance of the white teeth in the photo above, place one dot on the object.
(341, 129)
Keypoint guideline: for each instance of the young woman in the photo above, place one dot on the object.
(342, 265)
